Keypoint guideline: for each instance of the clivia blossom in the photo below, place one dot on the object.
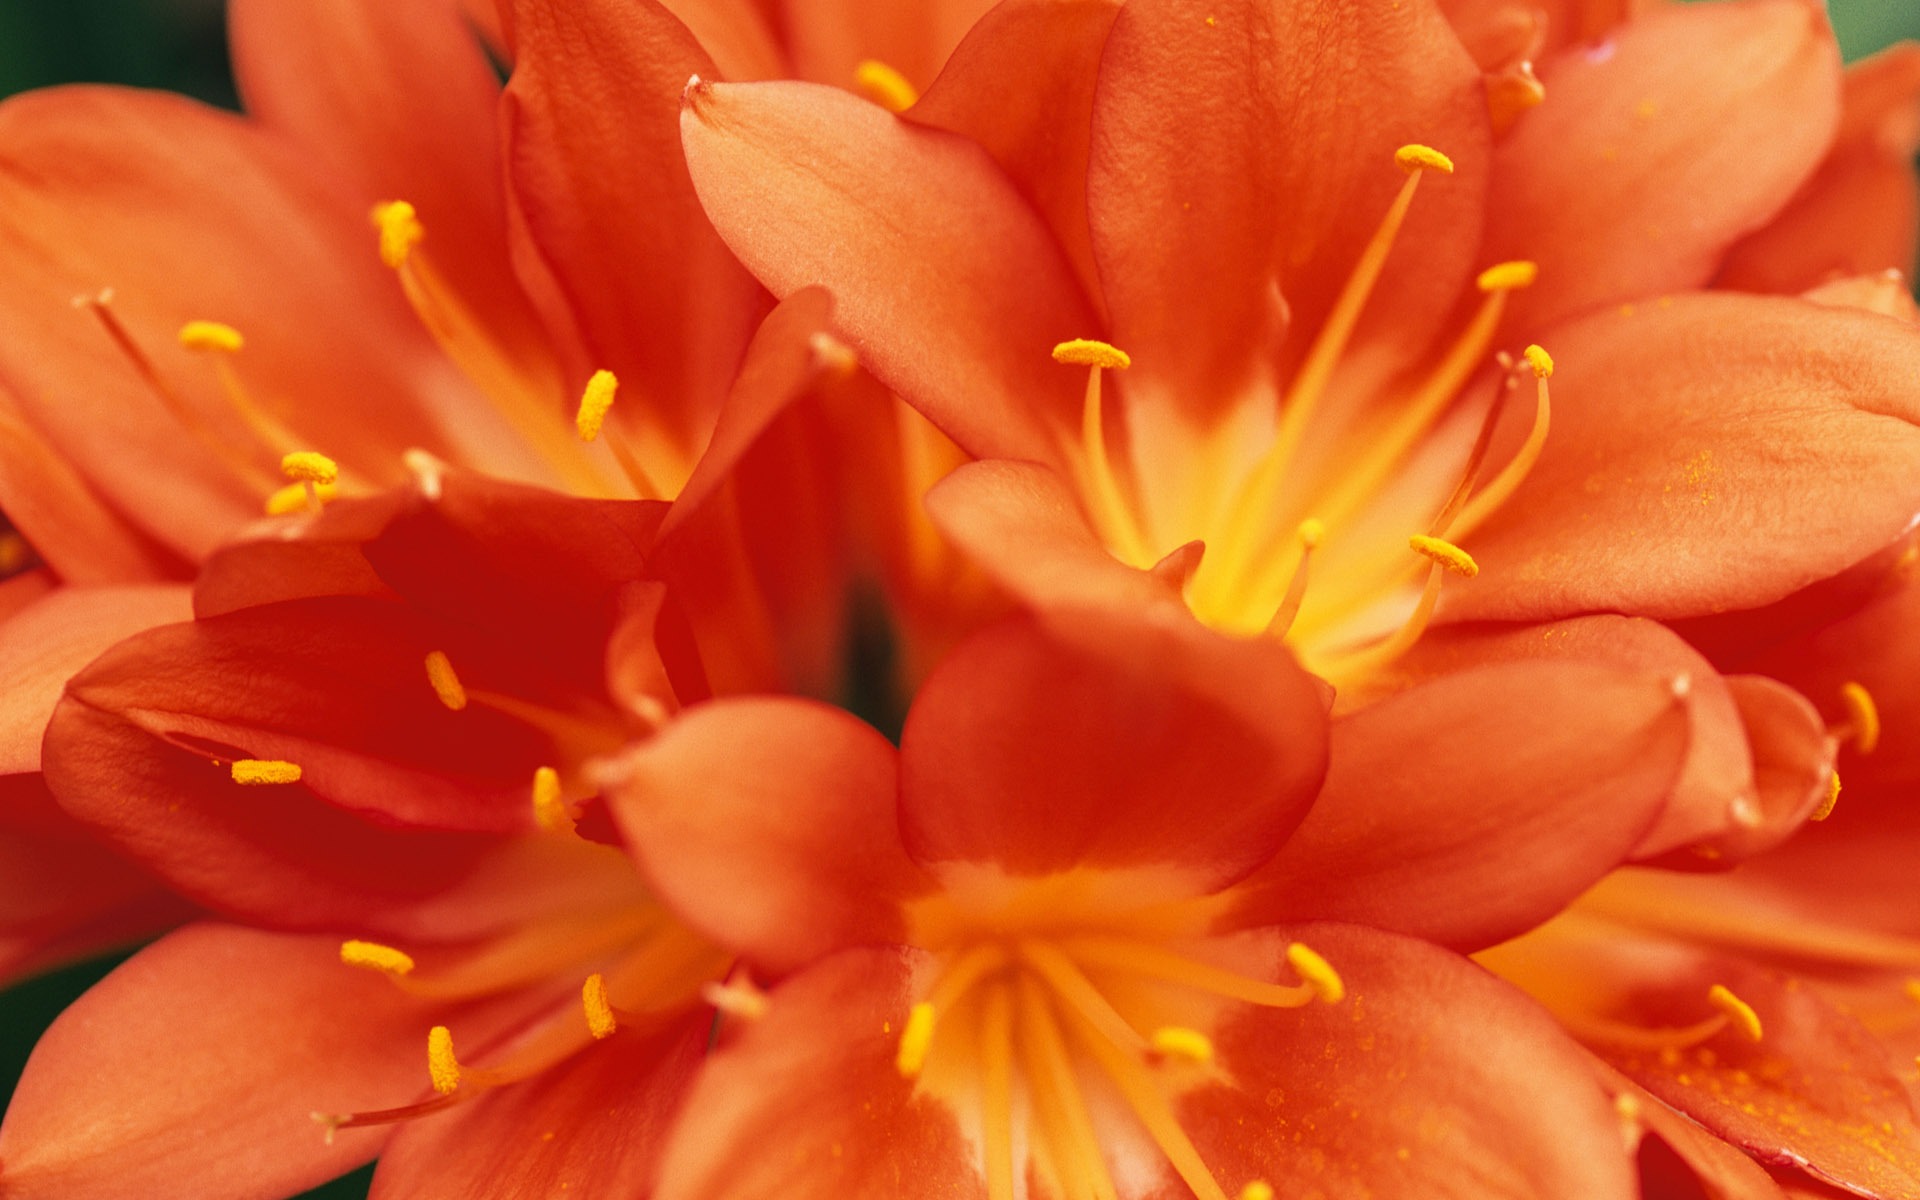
(1415, 508)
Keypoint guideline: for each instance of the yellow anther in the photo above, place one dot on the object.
(308, 466)
(1317, 972)
(1416, 157)
(1540, 361)
(211, 335)
(1448, 555)
(376, 957)
(400, 231)
(1177, 1041)
(594, 403)
(1832, 798)
(1736, 1010)
(442, 1067)
(1627, 1106)
(1085, 352)
(293, 497)
(885, 86)
(1865, 715)
(1311, 533)
(446, 684)
(256, 771)
(915, 1040)
(1258, 1189)
(1508, 276)
(593, 998)
(549, 809)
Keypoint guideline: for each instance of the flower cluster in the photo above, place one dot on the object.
(1071, 599)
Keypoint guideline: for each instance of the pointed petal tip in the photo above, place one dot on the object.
(695, 91)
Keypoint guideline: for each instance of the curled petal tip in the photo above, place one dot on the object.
(696, 89)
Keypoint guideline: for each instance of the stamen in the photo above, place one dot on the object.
(1258, 1189)
(1144, 1096)
(1086, 1000)
(1142, 958)
(1086, 352)
(1317, 972)
(1109, 504)
(1508, 276)
(1415, 158)
(442, 1067)
(254, 772)
(1444, 553)
(308, 466)
(593, 999)
(400, 231)
(1736, 1010)
(1863, 716)
(549, 809)
(594, 403)
(996, 1060)
(736, 998)
(1309, 534)
(211, 336)
(915, 1040)
(1177, 1041)
(885, 86)
(446, 684)
(293, 497)
(375, 957)
(1056, 1090)
(1241, 537)
(1515, 472)
(1832, 798)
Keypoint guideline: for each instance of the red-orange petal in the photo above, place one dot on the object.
(1383, 1094)
(772, 826)
(44, 646)
(830, 38)
(1664, 490)
(259, 1030)
(610, 238)
(1111, 741)
(957, 309)
(1240, 145)
(591, 1126)
(1472, 807)
(807, 1102)
(1654, 151)
(1048, 54)
(1860, 213)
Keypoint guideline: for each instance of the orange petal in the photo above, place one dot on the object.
(403, 107)
(1242, 145)
(807, 1102)
(1345, 1099)
(1512, 788)
(1663, 490)
(1111, 741)
(191, 214)
(830, 38)
(771, 825)
(957, 309)
(259, 1030)
(1655, 151)
(1679, 1158)
(593, 1126)
(612, 239)
(1048, 55)
(1860, 212)
(41, 648)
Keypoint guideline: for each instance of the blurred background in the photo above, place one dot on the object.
(181, 45)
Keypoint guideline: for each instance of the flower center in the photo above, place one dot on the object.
(1020, 1032)
(1276, 522)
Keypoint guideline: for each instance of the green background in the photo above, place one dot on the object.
(179, 44)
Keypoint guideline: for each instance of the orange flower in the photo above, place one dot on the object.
(1040, 942)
